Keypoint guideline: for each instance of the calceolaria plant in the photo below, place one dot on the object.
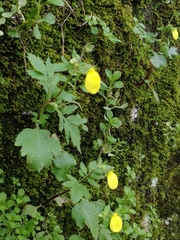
(44, 149)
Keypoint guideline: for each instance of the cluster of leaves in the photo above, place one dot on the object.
(44, 149)
(19, 220)
(33, 19)
(151, 40)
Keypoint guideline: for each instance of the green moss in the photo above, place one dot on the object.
(144, 147)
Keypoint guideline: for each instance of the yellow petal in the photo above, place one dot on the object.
(92, 81)
(175, 34)
(115, 223)
(112, 180)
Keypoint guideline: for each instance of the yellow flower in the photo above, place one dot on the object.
(175, 34)
(92, 81)
(112, 180)
(115, 223)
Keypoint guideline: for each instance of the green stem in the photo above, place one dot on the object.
(64, 86)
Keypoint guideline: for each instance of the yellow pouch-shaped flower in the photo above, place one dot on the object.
(175, 34)
(115, 223)
(92, 81)
(112, 180)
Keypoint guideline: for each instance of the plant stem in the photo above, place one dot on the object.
(67, 190)
(64, 86)
(53, 197)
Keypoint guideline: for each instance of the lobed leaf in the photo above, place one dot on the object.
(63, 163)
(38, 146)
(85, 212)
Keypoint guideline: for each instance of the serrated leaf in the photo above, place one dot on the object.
(58, 67)
(66, 96)
(37, 63)
(105, 234)
(83, 168)
(37, 75)
(38, 146)
(63, 163)
(69, 109)
(93, 182)
(77, 190)
(36, 32)
(59, 3)
(158, 60)
(71, 130)
(76, 237)
(85, 212)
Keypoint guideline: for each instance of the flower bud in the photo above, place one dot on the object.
(112, 180)
(175, 34)
(115, 223)
(92, 81)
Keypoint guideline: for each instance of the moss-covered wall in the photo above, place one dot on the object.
(145, 148)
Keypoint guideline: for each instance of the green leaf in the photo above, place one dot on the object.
(70, 126)
(85, 212)
(116, 75)
(155, 96)
(77, 190)
(76, 237)
(30, 210)
(115, 122)
(109, 114)
(1, 33)
(94, 30)
(37, 63)
(63, 163)
(49, 18)
(83, 168)
(69, 109)
(88, 47)
(118, 84)
(3, 196)
(13, 33)
(2, 20)
(66, 96)
(36, 32)
(158, 60)
(10, 203)
(21, 3)
(37, 75)
(39, 147)
(21, 192)
(7, 14)
(59, 3)
(93, 182)
(172, 51)
(108, 74)
(105, 234)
